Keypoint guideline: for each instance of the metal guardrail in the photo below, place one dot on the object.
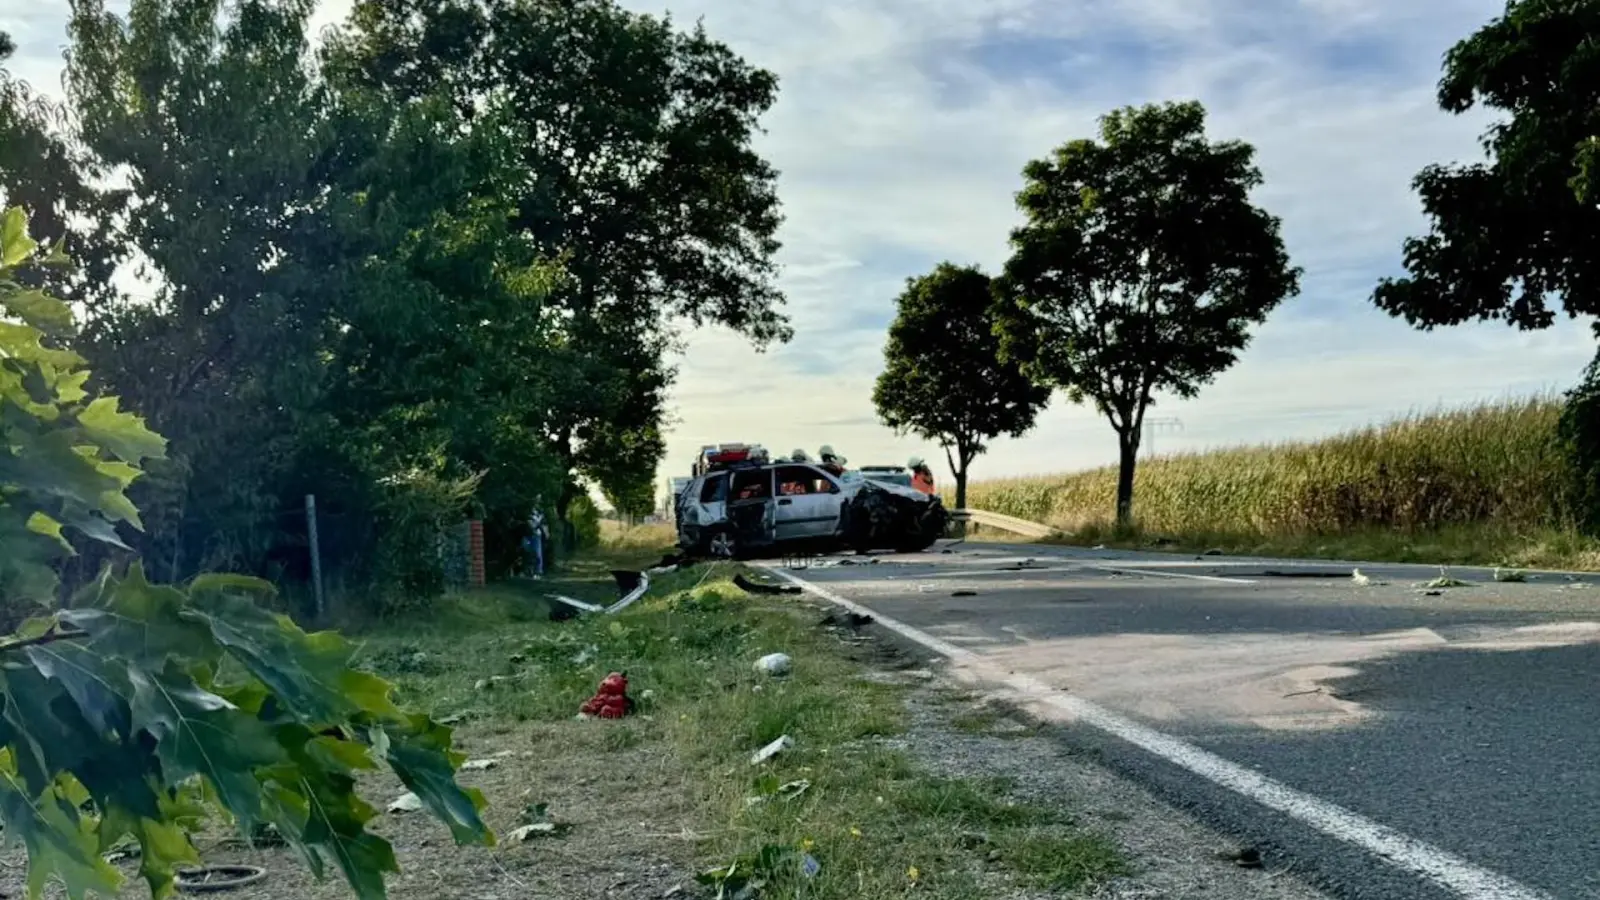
(1004, 522)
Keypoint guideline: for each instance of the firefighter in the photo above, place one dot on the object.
(921, 475)
(831, 461)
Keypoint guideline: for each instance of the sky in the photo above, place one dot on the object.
(900, 133)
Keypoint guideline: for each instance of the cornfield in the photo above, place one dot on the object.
(1499, 464)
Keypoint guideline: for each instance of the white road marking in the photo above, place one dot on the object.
(1442, 868)
(1160, 574)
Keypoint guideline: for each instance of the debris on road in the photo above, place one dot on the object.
(750, 586)
(773, 749)
(611, 701)
(1444, 581)
(1359, 579)
(775, 664)
(1512, 576)
(963, 593)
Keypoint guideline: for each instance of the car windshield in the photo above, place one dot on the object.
(887, 476)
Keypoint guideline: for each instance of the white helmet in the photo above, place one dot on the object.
(826, 451)
(799, 456)
(914, 463)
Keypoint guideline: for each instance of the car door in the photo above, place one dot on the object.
(808, 503)
(750, 508)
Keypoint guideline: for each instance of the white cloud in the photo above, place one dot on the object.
(900, 145)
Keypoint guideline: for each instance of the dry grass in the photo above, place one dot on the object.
(1471, 483)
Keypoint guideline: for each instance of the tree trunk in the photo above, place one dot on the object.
(961, 487)
(1128, 455)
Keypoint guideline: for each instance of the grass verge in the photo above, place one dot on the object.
(1487, 484)
(841, 814)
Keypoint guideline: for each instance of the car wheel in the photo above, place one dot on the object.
(721, 544)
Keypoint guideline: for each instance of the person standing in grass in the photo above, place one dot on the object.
(534, 542)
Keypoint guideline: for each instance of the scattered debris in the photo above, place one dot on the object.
(1301, 573)
(1445, 581)
(407, 802)
(1510, 575)
(536, 822)
(456, 718)
(1431, 593)
(773, 749)
(488, 684)
(1359, 579)
(632, 585)
(963, 593)
(846, 619)
(1243, 857)
(479, 765)
(809, 867)
(1214, 551)
(775, 664)
(768, 788)
(611, 701)
(762, 587)
(206, 879)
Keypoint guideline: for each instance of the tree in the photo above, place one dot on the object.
(639, 175)
(137, 710)
(1140, 268)
(1513, 234)
(944, 378)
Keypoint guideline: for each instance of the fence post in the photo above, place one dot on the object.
(479, 574)
(316, 555)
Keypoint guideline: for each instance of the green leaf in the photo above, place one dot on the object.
(419, 752)
(96, 687)
(306, 672)
(200, 733)
(37, 309)
(122, 434)
(59, 841)
(15, 245)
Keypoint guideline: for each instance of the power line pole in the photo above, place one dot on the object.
(1152, 427)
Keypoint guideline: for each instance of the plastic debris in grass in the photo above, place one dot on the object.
(632, 586)
(773, 749)
(751, 586)
(769, 788)
(611, 701)
(775, 664)
(536, 823)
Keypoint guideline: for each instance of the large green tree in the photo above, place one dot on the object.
(944, 378)
(1513, 238)
(1140, 268)
(636, 145)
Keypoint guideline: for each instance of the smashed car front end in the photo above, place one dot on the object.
(883, 515)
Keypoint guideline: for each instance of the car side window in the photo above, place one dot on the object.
(825, 484)
(715, 490)
(752, 484)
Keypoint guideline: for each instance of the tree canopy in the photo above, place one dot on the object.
(455, 243)
(1141, 266)
(943, 376)
(1513, 238)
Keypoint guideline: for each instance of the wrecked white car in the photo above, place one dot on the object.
(751, 507)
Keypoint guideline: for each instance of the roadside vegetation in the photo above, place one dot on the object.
(872, 823)
(1491, 484)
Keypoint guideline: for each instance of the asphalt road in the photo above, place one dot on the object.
(1464, 717)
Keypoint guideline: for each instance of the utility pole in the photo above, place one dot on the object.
(316, 555)
(1153, 427)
